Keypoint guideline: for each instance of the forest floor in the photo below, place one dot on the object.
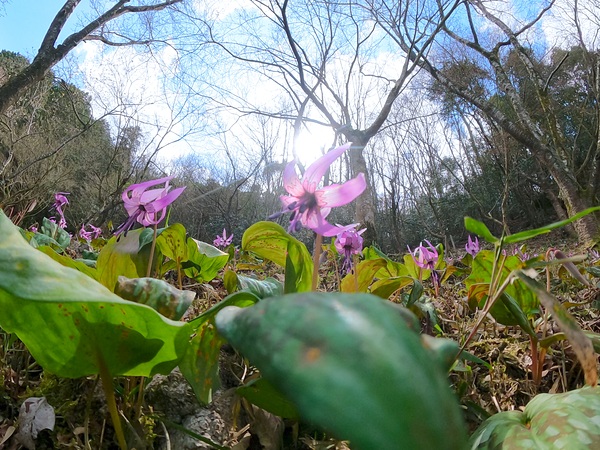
(505, 383)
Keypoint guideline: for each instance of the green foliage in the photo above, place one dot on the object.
(72, 325)
(198, 260)
(200, 365)
(270, 241)
(549, 421)
(264, 395)
(323, 350)
(269, 287)
(158, 294)
(478, 286)
(123, 255)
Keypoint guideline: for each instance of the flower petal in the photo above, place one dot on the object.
(137, 189)
(341, 194)
(316, 170)
(291, 182)
(165, 201)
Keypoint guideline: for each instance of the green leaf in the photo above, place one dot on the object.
(53, 231)
(549, 421)
(478, 282)
(270, 241)
(582, 345)
(172, 243)
(351, 364)
(204, 260)
(365, 271)
(158, 294)
(594, 271)
(200, 364)
(122, 256)
(72, 324)
(384, 288)
(517, 313)
(480, 229)
(68, 262)
(264, 395)
(269, 287)
(524, 235)
(415, 293)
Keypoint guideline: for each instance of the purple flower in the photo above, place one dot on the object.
(61, 200)
(349, 242)
(424, 257)
(310, 206)
(472, 247)
(223, 241)
(147, 206)
(33, 229)
(94, 233)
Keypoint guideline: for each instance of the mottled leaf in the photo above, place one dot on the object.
(72, 324)
(324, 350)
(158, 294)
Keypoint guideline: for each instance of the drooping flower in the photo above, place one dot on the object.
(425, 257)
(94, 233)
(147, 206)
(310, 206)
(349, 242)
(223, 240)
(61, 200)
(472, 247)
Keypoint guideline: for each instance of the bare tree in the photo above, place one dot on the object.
(487, 59)
(51, 52)
(326, 57)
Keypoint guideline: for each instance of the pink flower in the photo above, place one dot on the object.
(147, 206)
(89, 235)
(349, 242)
(472, 247)
(310, 206)
(61, 200)
(223, 241)
(425, 257)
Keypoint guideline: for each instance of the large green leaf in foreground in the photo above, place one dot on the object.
(72, 324)
(550, 421)
(352, 365)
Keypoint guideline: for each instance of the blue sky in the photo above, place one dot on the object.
(23, 23)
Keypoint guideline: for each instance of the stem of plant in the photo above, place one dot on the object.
(140, 398)
(355, 272)
(152, 248)
(316, 258)
(111, 403)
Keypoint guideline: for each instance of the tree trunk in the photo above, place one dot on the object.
(365, 203)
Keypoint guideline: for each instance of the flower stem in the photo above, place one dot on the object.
(355, 272)
(152, 248)
(111, 403)
(316, 258)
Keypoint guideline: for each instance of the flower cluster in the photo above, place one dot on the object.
(147, 206)
(223, 240)
(94, 233)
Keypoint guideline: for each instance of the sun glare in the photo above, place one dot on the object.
(313, 143)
